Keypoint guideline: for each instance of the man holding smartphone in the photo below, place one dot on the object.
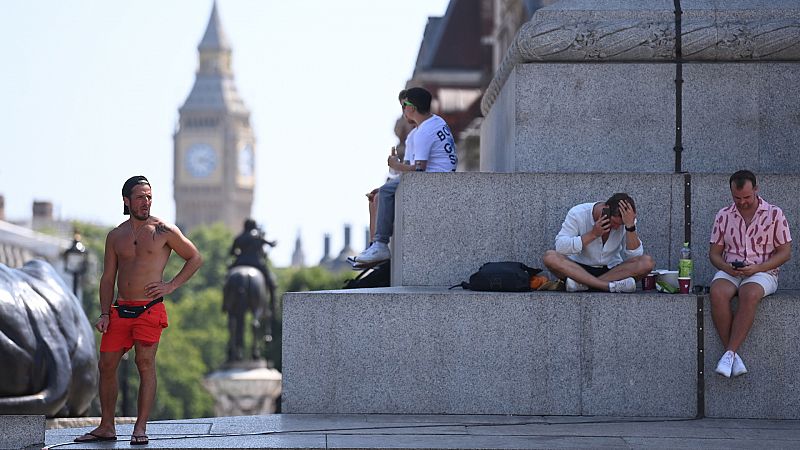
(749, 242)
(594, 251)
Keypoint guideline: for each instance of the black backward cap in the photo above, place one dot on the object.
(127, 189)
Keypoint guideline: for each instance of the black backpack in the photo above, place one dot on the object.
(508, 276)
(378, 276)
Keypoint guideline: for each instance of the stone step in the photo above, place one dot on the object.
(427, 350)
(448, 224)
(771, 387)
(22, 431)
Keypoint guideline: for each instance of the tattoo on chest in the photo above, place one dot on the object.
(161, 228)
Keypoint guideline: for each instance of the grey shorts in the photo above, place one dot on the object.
(767, 281)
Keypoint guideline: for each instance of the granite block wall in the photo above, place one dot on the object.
(22, 431)
(433, 351)
(468, 219)
(448, 224)
(771, 387)
(620, 118)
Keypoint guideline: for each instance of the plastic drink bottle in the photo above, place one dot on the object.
(685, 263)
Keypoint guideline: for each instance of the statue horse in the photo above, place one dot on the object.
(47, 345)
(246, 290)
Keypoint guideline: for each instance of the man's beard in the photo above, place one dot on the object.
(138, 217)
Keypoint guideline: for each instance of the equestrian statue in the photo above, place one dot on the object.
(249, 287)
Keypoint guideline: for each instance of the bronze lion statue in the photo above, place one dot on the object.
(47, 346)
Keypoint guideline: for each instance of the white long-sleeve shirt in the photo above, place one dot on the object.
(578, 222)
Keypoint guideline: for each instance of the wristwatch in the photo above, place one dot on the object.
(631, 229)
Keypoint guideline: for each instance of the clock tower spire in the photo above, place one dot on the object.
(214, 145)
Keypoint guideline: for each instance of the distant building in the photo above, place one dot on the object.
(20, 243)
(298, 257)
(458, 56)
(340, 262)
(214, 148)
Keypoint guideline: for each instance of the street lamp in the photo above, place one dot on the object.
(75, 261)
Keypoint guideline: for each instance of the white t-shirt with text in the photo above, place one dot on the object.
(433, 142)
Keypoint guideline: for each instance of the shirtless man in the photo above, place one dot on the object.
(135, 256)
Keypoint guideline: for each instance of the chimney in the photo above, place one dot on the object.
(347, 236)
(42, 211)
(347, 251)
(42, 215)
(326, 257)
(2, 207)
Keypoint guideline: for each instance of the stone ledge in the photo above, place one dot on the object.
(771, 387)
(427, 350)
(22, 431)
(468, 219)
(78, 422)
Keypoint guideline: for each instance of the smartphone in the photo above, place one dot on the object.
(738, 264)
(606, 212)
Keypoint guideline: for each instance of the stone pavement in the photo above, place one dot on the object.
(304, 431)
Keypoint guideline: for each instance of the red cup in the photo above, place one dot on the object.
(649, 282)
(683, 284)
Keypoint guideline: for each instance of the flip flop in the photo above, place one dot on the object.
(91, 437)
(140, 440)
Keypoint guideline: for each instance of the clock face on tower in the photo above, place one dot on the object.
(201, 160)
(246, 161)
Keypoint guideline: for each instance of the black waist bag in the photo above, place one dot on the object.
(132, 312)
(508, 276)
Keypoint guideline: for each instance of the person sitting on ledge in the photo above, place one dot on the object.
(432, 150)
(593, 251)
(749, 242)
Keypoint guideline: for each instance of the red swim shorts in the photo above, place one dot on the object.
(145, 329)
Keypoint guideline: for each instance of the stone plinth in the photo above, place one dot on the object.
(22, 431)
(244, 391)
(433, 351)
(771, 387)
(589, 86)
(468, 219)
(580, 117)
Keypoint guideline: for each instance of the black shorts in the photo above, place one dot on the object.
(594, 271)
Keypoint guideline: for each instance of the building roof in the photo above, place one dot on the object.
(214, 88)
(214, 37)
(213, 92)
(452, 51)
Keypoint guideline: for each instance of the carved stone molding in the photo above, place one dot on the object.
(706, 36)
(738, 40)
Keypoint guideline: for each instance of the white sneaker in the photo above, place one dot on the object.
(738, 366)
(725, 364)
(574, 286)
(377, 252)
(626, 285)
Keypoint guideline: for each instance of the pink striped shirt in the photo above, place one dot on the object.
(756, 243)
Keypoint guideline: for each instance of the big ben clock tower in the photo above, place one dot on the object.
(214, 145)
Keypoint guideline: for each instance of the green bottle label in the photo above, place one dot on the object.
(685, 268)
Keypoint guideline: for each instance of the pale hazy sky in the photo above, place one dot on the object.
(90, 94)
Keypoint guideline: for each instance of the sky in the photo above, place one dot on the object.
(90, 94)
